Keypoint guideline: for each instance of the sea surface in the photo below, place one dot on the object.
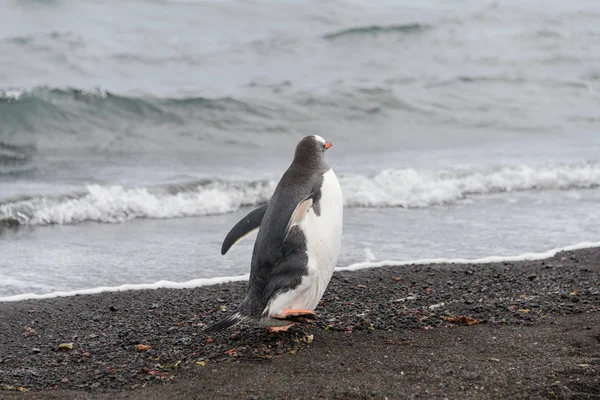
(134, 134)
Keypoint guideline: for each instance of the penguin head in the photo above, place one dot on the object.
(312, 145)
(311, 149)
(321, 143)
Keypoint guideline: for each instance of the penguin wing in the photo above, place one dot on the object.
(243, 228)
(298, 214)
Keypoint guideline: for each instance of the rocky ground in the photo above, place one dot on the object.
(504, 330)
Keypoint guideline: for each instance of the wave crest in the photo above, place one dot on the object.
(377, 30)
(413, 189)
(113, 204)
(406, 188)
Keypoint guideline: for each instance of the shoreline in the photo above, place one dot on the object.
(194, 283)
(387, 311)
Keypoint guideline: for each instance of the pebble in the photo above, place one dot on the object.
(65, 347)
(142, 347)
(184, 340)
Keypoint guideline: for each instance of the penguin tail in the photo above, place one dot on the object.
(225, 323)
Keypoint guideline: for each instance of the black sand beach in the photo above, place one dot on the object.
(526, 329)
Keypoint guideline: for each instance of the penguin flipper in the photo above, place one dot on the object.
(299, 214)
(243, 228)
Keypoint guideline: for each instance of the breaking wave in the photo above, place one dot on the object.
(65, 102)
(407, 188)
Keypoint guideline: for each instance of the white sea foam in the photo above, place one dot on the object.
(160, 284)
(410, 188)
(113, 204)
(353, 267)
(484, 260)
(390, 188)
(12, 94)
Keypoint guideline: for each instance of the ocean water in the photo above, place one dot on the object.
(134, 134)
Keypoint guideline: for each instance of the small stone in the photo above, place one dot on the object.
(183, 341)
(235, 336)
(29, 331)
(113, 308)
(65, 347)
(35, 350)
(142, 347)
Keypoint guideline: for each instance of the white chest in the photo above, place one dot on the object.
(323, 235)
(323, 232)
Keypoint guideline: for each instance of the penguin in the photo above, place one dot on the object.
(297, 246)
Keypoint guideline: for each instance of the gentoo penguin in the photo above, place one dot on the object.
(297, 245)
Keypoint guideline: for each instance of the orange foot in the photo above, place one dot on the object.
(280, 328)
(296, 315)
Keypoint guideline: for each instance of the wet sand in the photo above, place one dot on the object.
(526, 329)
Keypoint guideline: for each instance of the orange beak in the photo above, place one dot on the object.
(328, 145)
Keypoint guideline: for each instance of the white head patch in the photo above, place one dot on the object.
(319, 139)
